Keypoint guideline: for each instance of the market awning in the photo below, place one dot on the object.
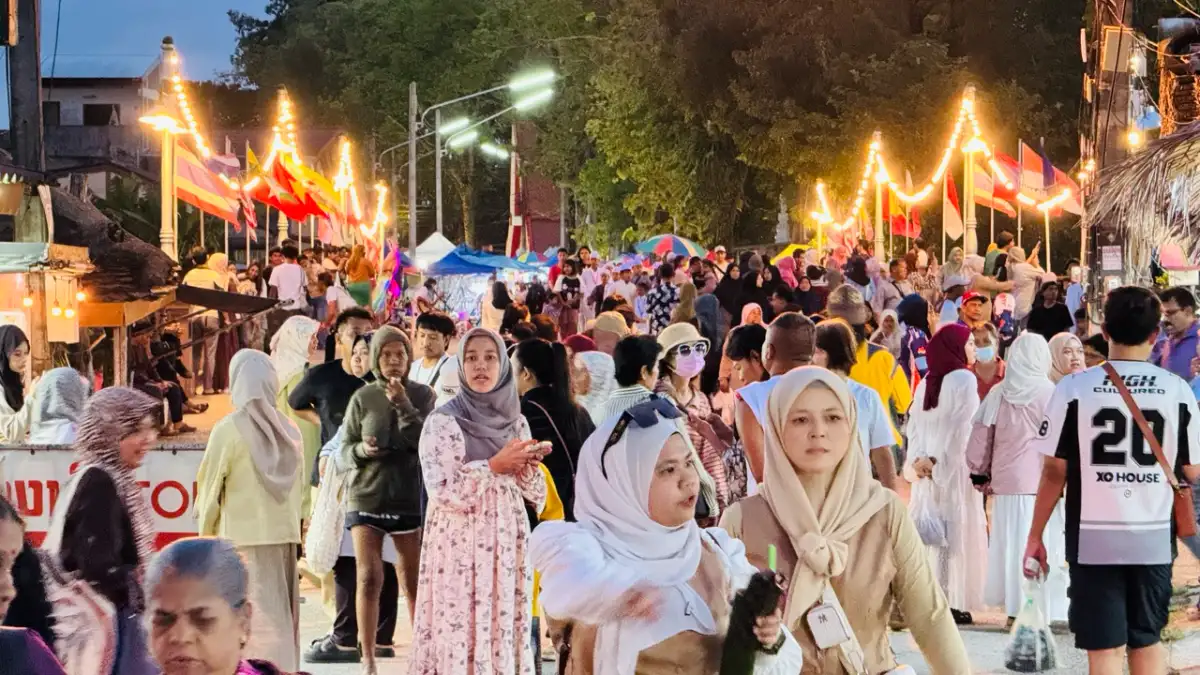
(222, 301)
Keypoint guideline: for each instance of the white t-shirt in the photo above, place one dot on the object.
(1119, 503)
(445, 386)
(292, 285)
(625, 288)
(874, 427)
(339, 295)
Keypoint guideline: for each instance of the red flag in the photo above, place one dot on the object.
(195, 184)
(952, 221)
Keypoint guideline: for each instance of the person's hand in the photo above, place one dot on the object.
(397, 393)
(537, 452)
(639, 602)
(321, 464)
(371, 446)
(513, 457)
(721, 428)
(768, 628)
(984, 488)
(1035, 550)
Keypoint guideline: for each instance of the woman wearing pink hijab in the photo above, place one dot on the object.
(752, 313)
(787, 271)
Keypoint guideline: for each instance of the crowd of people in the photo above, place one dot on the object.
(619, 464)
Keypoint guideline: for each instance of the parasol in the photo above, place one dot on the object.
(665, 244)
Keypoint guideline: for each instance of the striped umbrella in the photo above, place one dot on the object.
(665, 244)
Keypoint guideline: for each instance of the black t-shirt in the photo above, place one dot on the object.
(1049, 321)
(326, 388)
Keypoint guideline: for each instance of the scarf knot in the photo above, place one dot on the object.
(826, 558)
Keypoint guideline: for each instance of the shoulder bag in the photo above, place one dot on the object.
(1184, 510)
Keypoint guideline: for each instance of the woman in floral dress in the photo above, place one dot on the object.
(475, 583)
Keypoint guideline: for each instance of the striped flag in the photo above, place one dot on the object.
(249, 214)
(224, 165)
(196, 185)
(985, 193)
(952, 221)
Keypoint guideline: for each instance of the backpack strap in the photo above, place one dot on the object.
(760, 529)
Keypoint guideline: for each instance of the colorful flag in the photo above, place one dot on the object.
(897, 219)
(1009, 172)
(952, 221)
(224, 165)
(1037, 173)
(985, 193)
(249, 214)
(1064, 182)
(196, 185)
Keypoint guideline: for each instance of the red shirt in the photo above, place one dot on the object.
(985, 387)
(555, 270)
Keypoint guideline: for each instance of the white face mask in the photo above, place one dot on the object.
(689, 366)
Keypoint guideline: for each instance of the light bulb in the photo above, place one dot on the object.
(80, 296)
(56, 310)
(1134, 137)
(70, 313)
(27, 301)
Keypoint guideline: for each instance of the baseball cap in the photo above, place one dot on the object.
(611, 322)
(973, 295)
(719, 249)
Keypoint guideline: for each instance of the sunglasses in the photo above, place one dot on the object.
(643, 416)
(700, 348)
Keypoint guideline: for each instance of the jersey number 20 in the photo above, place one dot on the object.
(1116, 425)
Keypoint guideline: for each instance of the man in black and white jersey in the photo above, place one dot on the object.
(1120, 534)
(433, 367)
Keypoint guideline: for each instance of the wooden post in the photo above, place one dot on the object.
(39, 346)
(120, 356)
(25, 91)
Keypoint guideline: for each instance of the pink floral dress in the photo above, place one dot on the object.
(475, 585)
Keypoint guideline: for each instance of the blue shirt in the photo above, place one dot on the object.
(1176, 354)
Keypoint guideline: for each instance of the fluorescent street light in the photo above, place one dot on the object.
(531, 80)
(534, 100)
(494, 150)
(454, 126)
(462, 140)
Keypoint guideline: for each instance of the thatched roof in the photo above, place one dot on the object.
(127, 268)
(1153, 197)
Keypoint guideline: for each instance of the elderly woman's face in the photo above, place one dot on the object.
(193, 630)
(481, 363)
(817, 431)
(393, 360)
(675, 486)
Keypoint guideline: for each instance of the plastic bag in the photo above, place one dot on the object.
(926, 516)
(1031, 647)
(323, 542)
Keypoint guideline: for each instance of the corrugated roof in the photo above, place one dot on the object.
(122, 67)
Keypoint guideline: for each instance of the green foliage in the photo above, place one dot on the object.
(687, 111)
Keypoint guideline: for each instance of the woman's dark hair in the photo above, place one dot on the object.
(631, 355)
(574, 266)
(836, 339)
(11, 337)
(745, 341)
(1098, 343)
(548, 363)
(430, 283)
(439, 322)
(8, 512)
(524, 331)
(612, 302)
(535, 298)
(513, 314)
(500, 298)
(1001, 267)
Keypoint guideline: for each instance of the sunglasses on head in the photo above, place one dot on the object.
(643, 416)
(700, 348)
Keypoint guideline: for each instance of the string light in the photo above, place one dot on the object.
(381, 218)
(80, 296)
(876, 168)
(27, 301)
(283, 142)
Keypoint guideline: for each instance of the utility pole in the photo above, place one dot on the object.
(412, 167)
(970, 224)
(437, 153)
(876, 139)
(25, 74)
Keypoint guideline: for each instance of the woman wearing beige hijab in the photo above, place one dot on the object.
(836, 528)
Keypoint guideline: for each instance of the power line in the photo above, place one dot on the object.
(54, 57)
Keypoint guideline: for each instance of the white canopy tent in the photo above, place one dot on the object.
(432, 250)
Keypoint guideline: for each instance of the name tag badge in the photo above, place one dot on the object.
(828, 626)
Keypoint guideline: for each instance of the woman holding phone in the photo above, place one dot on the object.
(480, 467)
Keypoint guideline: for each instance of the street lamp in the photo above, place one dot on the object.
(493, 150)
(462, 140)
(533, 100)
(161, 121)
(530, 80)
(454, 126)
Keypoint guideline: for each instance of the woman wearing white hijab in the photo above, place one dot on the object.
(293, 348)
(57, 403)
(1005, 463)
(248, 491)
(602, 376)
(836, 528)
(643, 588)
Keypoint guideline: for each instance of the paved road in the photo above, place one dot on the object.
(985, 645)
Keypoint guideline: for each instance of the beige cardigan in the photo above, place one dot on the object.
(886, 563)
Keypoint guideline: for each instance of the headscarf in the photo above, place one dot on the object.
(11, 337)
(60, 396)
(913, 311)
(729, 291)
(612, 501)
(1025, 377)
(946, 353)
(857, 272)
(787, 271)
(490, 419)
(580, 343)
(1058, 357)
(385, 336)
(952, 268)
(819, 540)
(110, 416)
(289, 346)
(685, 310)
(219, 263)
(747, 309)
(602, 369)
(274, 440)
(890, 342)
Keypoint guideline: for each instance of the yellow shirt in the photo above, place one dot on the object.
(231, 501)
(310, 434)
(553, 510)
(876, 368)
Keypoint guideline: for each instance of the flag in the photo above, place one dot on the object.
(952, 221)
(278, 187)
(1009, 171)
(224, 165)
(249, 214)
(985, 193)
(196, 185)
(1037, 173)
(1064, 182)
(897, 219)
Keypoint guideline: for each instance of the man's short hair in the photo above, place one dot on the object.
(631, 355)
(523, 330)
(746, 342)
(784, 293)
(348, 314)
(545, 327)
(1081, 314)
(666, 271)
(290, 252)
(1180, 296)
(1004, 239)
(200, 256)
(896, 262)
(439, 322)
(1131, 315)
(797, 331)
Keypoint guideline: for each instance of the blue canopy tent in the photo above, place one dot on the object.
(463, 260)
